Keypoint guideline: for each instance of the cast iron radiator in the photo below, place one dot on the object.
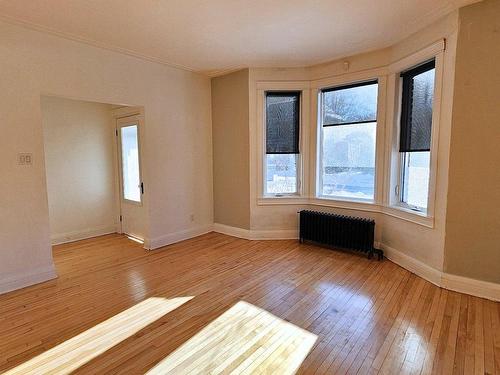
(346, 232)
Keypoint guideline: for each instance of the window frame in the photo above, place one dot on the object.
(404, 113)
(406, 103)
(319, 159)
(301, 158)
(400, 186)
(393, 192)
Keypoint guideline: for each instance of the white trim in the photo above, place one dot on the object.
(78, 235)
(393, 156)
(346, 204)
(93, 43)
(426, 53)
(284, 200)
(473, 287)
(21, 280)
(478, 288)
(247, 234)
(378, 74)
(276, 234)
(407, 215)
(171, 238)
(412, 217)
(303, 156)
(128, 111)
(413, 265)
(283, 85)
(232, 231)
(346, 78)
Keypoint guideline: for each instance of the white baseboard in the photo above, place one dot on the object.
(78, 235)
(413, 265)
(279, 234)
(21, 280)
(473, 287)
(456, 283)
(168, 239)
(442, 279)
(232, 231)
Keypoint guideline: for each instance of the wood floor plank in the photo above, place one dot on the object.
(356, 316)
(495, 331)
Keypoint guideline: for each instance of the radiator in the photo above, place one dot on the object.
(338, 231)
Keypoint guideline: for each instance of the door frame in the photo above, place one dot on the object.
(121, 118)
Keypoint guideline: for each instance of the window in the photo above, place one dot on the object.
(282, 143)
(130, 163)
(347, 141)
(415, 136)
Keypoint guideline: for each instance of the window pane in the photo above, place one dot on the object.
(282, 122)
(281, 173)
(353, 104)
(348, 161)
(130, 163)
(416, 179)
(416, 116)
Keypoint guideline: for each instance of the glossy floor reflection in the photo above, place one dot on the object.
(243, 340)
(370, 317)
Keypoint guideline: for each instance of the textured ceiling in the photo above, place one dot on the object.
(218, 35)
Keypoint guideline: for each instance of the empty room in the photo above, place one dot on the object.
(250, 187)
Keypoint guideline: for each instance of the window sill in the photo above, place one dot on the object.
(410, 215)
(349, 204)
(271, 200)
(402, 213)
(360, 205)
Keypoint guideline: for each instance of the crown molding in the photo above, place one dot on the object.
(105, 46)
(221, 72)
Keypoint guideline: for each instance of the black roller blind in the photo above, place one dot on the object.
(282, 122)
(350, 104)
(416, 108)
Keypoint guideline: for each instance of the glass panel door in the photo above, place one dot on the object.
(131, 177)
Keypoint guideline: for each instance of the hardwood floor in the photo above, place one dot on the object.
(126, 310)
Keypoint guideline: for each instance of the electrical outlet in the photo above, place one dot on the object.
(25, 158)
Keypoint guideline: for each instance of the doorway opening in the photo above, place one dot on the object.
(93, 164)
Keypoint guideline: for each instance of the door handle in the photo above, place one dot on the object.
(141, 186)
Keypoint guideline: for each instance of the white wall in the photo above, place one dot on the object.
(177, 133)
(80, 168)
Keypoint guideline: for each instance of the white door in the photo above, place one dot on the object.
(132, 212)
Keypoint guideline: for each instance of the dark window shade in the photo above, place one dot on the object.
(350, 104)
(282, 122)
(416, 108)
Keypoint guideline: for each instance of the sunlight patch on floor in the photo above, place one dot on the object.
(75, 352)
(244, 340)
